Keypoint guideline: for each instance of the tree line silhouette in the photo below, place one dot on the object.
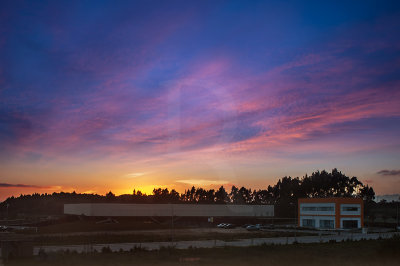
(283, 195)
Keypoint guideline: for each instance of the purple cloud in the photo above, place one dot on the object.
(389, 172)
(6, 185)
(88, 82)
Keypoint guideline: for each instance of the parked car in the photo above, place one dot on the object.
(252, 228)
(3, 228)
(221, 225)
(269, 226)
(227, 226)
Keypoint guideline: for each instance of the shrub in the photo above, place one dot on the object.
(106, 250)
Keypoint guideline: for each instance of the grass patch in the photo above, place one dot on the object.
(109, 238)
(370, 252)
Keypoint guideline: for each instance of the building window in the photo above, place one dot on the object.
(322, 209)
(326, 224)
(325, 209)
(309, 222)
(350, 209)
(348, 224)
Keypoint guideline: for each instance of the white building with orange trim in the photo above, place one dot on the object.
(331, 213)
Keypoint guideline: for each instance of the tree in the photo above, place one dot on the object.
(200, 195)
(210, 196)
(174, 196)
(221, 196)
(367, 193)
(262, 197)
(234, 195)
(109, 196)
(245, 196)
(283, 195)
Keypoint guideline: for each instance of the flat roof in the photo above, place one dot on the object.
(341, 200)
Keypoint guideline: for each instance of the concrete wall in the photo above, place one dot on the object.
(188, 210)
(78, 209)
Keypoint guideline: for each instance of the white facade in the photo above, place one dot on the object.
(323, 222)
(189, 210)
(330, 213)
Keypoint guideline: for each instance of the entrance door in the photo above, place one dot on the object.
(350, 224)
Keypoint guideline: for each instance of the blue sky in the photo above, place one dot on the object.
(93, 93)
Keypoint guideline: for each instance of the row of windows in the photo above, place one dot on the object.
(327, 209)
(350, 209)
(323, 209)
(329, 224)
(309, 222)
(326, 224)
(350, 224)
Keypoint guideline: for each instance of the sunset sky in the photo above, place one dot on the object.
(117, 95)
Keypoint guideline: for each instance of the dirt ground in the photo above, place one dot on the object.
(366, 252)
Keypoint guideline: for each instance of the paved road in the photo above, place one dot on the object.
(215, 243)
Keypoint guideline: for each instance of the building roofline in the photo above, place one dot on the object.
(331, 199)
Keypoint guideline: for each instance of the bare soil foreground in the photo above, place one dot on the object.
(366, 252)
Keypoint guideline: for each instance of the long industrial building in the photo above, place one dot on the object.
(164, 210)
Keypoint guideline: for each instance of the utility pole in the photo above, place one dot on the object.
(398, 202)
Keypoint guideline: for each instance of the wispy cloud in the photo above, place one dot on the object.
(7, 185)
(389, 172)
(132, 92)
(133, 175)
(202, 182)
(89, 192)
